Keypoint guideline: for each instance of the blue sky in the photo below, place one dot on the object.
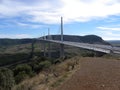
(32, 18)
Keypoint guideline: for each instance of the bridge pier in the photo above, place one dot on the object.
(61, 50)
(62, 45)
(44, 49)
(49, 50)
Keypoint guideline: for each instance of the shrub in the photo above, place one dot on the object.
(37, 67)
(6, 79)
(87, 54)
(20, 68)
(45, 64)
(21, 76)
(22, 72)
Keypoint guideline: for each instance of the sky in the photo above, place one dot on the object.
(32, 18)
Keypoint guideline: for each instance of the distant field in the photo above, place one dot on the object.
(115, 43)
(22, 48)
(16, 53)
(12, 58)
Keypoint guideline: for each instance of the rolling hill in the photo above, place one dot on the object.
(93, 39)
(84, 39)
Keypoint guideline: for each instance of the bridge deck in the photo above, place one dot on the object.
(95, 47)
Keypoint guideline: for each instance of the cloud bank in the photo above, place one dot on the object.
(34, 14)
(109, 28)
(50, 11)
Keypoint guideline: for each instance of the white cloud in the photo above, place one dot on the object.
(19, 24)
(17, 36)
(105, 37)
(28, 25)
(109, 33)
(83, 11)
(49, 11)
(22, 24)
(109, 28)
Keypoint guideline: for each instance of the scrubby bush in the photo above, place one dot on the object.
(21, 76)
(39, 66)
(6, 79)
(22, 72)
(88, 54)
(45, 64)
(20, 68)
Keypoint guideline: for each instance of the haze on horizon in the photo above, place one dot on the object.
(32, 18)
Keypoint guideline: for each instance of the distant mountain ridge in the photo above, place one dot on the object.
(7, 42)
(84, 39)
(92, 39)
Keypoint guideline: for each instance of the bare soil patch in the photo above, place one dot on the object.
(94, 74)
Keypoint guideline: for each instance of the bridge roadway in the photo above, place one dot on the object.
(94, 47)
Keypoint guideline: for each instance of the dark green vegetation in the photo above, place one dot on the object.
(24, 57)
(6, 59)
(18, 73)
(6, 79)
(36, 65)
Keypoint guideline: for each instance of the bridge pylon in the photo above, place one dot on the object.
(62, 45)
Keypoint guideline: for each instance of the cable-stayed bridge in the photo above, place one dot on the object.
(95, 47)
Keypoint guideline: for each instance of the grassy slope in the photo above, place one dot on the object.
(52, 77)
(60, 76)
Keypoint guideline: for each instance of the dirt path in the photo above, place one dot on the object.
(95, 74)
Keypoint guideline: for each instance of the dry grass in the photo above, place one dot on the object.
(52, 77)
